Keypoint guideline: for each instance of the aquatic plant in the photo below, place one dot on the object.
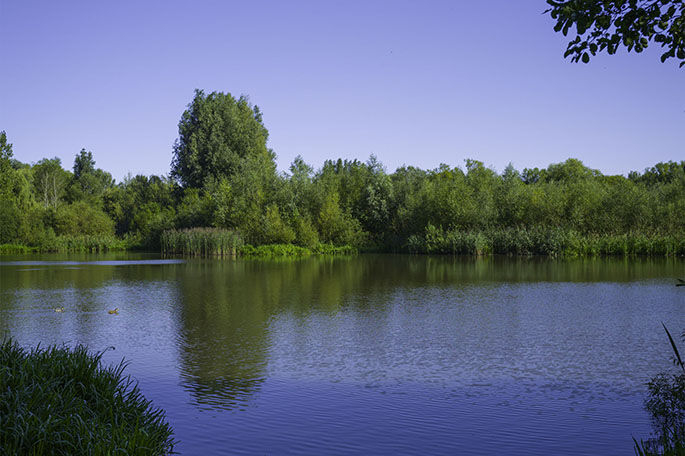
(666, 406)
(57, 401)
(201, 242)
(15, 248)
(555, 242)
(85, 243)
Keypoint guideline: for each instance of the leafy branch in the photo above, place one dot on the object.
(607, 25)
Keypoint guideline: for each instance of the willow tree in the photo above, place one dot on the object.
(216, 134)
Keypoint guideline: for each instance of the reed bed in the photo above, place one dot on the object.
(554, 242)
(203, 242)
(85, 243)
(70, 244)
(58, 401)
(6, 249)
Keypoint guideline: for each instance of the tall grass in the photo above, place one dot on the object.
(15, 248)
(70, 244)
(544, 241)
(85, 243)
(58, 401)
(201, 242)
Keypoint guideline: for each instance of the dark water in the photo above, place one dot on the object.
(368, 354)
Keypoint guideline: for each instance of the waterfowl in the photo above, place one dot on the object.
(113, 311)
(59, 309)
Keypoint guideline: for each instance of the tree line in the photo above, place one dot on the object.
(223, 175)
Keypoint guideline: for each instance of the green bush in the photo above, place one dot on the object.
(289, 250)
(81, 218)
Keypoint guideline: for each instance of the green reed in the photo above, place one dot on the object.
(85, 243)
(15, 248)
(554, 242)
(59, 401)
(201, 242)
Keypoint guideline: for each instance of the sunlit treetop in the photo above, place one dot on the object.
(607, 25)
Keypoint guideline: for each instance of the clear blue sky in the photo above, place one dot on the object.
(418, 83)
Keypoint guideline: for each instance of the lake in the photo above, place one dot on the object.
(370, 354)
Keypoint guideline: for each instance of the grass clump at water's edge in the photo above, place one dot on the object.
(201, 242)
(70, 244)
(555, 242)
(16, 248)
(58, 400)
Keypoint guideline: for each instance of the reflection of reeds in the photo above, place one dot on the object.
(201, 242)
(61, 401)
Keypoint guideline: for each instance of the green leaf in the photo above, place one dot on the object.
(675, 348)
(586, 57)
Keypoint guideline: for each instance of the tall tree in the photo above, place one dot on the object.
(50, 181)
(216, 133)
(5, 162)
(606, 25)
(88, 183)
(15, 193)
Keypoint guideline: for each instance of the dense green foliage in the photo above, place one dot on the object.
(58, 401)
(217, 133)
(607, 25)
(223, 177)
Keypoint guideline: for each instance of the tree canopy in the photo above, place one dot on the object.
(607, 25)
(88, 182)
(216, 133)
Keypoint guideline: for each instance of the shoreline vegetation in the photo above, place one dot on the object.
(58, 400)
(225, 197)
(559, 243)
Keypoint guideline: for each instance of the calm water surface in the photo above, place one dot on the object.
(368, 354)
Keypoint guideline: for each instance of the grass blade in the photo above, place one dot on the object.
(675, 348)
